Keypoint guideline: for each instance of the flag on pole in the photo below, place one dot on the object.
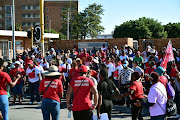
(169, 56)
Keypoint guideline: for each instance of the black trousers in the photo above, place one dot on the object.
(82, 115)
(106, 107)
(136, 111)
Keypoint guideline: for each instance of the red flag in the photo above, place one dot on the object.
(169, 56)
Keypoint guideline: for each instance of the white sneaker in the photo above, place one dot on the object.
(39, 102)
(177, 116)
(31, 103)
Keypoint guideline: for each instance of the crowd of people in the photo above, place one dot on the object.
(90, 79)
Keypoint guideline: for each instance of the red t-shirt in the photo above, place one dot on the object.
(54, 89)
(84, 56)
(26, 61)
(173, 72)
(94, 74)
(14, 72)
(82, 99)
(138, 90)
(4, 79)
(73, 73)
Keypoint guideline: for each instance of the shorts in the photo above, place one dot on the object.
(17, 89)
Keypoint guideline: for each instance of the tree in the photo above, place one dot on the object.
(82, 24)
(61, 36)
(93, 16)
(18, 27)
(173, 30)
(143, 28)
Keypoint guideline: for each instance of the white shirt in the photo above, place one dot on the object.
(117, 52)
(45, 65)
(118, 68)
(68, 68)
(124, 57)
(111, 69)
(69, 60)
(157, 94)
(33, 74)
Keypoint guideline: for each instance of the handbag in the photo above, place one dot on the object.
(171, 108)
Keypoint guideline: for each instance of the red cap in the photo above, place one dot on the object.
(138, 52)
(30, 62)
(19, 56)
(83, 68)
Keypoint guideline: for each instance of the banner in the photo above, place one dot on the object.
(169, 56)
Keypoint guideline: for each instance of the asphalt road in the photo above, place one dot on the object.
(33, 112)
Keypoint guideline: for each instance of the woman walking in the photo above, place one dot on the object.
(5, 79)
(52, 90)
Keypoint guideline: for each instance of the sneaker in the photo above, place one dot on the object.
(177, 116)
(38, 102)
(31, 103)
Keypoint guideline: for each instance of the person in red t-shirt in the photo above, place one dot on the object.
(5, 79)
(84, 56)
(73, 72)
(137, 94)
(52, 90)
(17, 90)
(81, 88)
(102, 55)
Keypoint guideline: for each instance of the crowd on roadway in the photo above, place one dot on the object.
(90, 79)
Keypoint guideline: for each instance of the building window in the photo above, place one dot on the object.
(47, 17)
(23, 24)
(47, 25)
(29, 24)
(29, 15)
(36, 16)
(29, 7)
(23, 16)
(1, 16)
(23, 7)
(1, 24)
(1, 7)
(47, 9)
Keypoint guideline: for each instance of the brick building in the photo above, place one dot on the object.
(27, 13)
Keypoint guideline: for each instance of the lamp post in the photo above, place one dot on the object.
(42, 25)
(13, 30)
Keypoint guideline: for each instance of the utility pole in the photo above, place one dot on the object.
(68, 26)
(13, 30)
(42, 25)
(49, 26)
(32, 36)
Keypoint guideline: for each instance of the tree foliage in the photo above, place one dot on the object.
(143, 28)
(173, 30)
(82, 24)
(61, 36)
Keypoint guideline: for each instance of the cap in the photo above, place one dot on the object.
(83, 68)
(115, 47)
(125, 45)
(30, 62)
(138, 52)
(125, 62)
(17, 62)
(152, 51)
(160, 70)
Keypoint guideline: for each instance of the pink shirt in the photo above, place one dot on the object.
(155, 96)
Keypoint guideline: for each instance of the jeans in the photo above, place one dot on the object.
(52, 107)
(177, 101)
(34, 89)
(82, 115)
(160, 117)
(4, 106)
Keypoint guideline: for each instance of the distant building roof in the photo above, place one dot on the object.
(104, 36)
(24, 34)
(60, 0)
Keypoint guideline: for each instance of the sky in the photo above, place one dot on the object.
(117, 12)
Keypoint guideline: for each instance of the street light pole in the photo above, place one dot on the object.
(13, 30)
(42, 25)
(68, 26)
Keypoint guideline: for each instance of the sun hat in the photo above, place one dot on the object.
(95, 60)
(53, 71)
(160, 70)
(83, 69)
(152, 51)
(17, 62)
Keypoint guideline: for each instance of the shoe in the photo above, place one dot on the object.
(177, 116)
(39, 102)
(31, 103)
